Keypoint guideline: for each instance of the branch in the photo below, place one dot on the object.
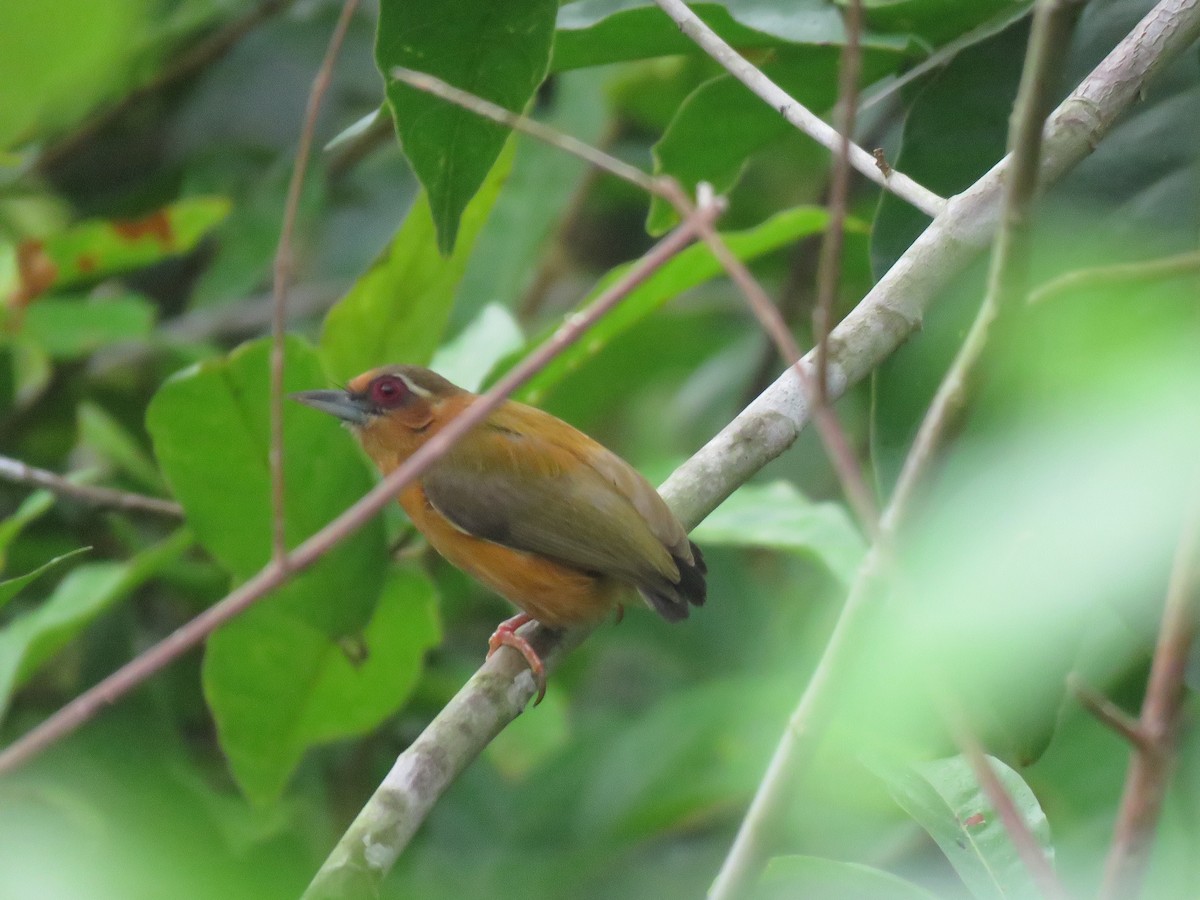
(283, 275)
(795, 113)
(22, 473)
(1150, 771)
(1107, 712)
(277, 572)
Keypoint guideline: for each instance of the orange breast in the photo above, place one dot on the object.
(556, 595)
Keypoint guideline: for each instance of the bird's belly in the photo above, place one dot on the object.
(556, 595)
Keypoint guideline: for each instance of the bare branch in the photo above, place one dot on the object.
(22, 473)
(431, 84)
(795, 113)
(1150, 771)
(283, 274)
(1107, 712)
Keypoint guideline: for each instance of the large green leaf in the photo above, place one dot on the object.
(945, 799)
(778, 516)
(278, 686)
(811, 876)
(33, 638)
(397, 311)
(210, 428)
(498, 51)
(693, 267)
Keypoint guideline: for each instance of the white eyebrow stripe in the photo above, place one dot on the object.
(419, 391)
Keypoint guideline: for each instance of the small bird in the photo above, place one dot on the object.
(534, 509)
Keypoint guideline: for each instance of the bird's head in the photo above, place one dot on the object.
(392, 410)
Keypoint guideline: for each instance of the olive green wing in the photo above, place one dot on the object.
(529, 481)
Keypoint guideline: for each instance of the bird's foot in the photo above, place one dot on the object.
(506, 635)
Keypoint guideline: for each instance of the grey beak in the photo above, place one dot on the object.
(337, 403)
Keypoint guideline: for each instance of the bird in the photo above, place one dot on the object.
(528, 505)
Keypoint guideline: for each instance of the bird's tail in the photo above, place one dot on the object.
(671, 601)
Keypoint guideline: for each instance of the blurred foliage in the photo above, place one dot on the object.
(136, 249)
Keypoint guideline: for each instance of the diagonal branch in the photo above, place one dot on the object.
(794, 112)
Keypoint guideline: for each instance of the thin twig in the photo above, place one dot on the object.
(283, 275)
(1150, 770)
(276, 572)
(829, 266)
(836, 443)
(190, 62)
(795, 748)
(796, 114)
(22, 473)
(1024, 841)
(1107, 712)
(1121, 273)
(431, 84)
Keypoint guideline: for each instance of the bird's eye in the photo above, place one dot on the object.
(388, 391)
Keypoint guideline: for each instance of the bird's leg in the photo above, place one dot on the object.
(506, 635)
(620, 614)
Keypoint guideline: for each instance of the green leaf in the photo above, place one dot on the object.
(469, 358)
(497, 51)
(69, 329)
(945, 799)
(13, 586)
(693, 267)
(397, 311)
(778, 516)
(210, 427)
(278, 686)
(87, 591)
(98, 248)
(811, 876)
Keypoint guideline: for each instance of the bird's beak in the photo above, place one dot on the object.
(341, 404)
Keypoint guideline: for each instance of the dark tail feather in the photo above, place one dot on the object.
(671, 601)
